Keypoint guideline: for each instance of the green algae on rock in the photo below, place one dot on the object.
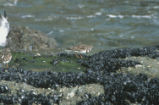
(29, 61)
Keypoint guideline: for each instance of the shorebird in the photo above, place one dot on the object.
(4, 29)
(6, 56)
(80, 49)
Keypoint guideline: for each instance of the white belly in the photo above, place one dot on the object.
(3, 36)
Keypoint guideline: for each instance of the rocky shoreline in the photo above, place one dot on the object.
(102, 82)
(38, 76)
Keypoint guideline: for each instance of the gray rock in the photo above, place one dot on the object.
(26, 39)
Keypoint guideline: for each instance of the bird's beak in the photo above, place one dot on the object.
(5, 14)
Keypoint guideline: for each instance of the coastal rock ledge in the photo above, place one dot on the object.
(26, 39)
(125, 76)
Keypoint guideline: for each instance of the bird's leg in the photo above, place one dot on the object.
(81, 56)
(7, 66)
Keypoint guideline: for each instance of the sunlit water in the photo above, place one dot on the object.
(104, 24)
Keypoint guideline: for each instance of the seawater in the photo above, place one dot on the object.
(104, 24)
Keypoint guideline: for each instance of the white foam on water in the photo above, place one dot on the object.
(90, 16)
(61, 30)
(142, 16)
(133, 16)
(98, 13)
(74, 18)
(11, 3)
(81, 6)
(115, 16)
(49, 18)
(156, 7)
(51, 32)
(27, 16)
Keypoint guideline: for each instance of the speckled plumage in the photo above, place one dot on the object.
(6, 56)
(82, 48)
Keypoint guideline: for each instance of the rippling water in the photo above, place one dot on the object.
(105, 24)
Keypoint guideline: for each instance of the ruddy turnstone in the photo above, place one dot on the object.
(4, 29)
(82, 49)
(6, 56)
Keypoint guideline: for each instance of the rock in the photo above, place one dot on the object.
(100, 84)
(26, 39)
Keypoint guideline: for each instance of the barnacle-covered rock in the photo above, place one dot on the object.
(26, 39)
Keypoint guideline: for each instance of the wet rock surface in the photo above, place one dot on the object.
(112, 60)
(26, 39)
(100, 84)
